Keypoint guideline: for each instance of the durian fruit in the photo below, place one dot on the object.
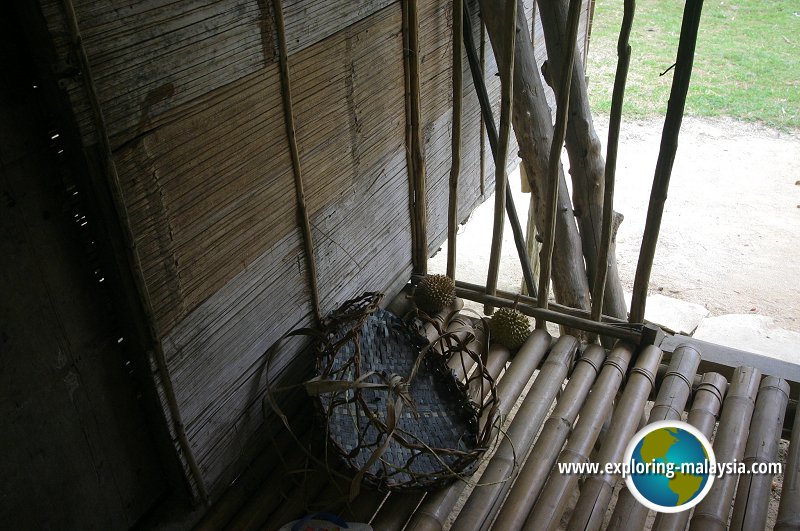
(510, 328)
(434, 293)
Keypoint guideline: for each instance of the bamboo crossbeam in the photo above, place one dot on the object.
(703, 416)
(483, 502)
(753, 490)
(541, 314)
(729, 444)
(789, 508)
(554, 434)
(500, 178)
(435, 508)
(597, 490)
(670, 402)
(617, 98)
(132, 257)
(415, 159)
(666, 156)
(455, 145)
(288, 112)
(559, 134)
(547, 511)
(487, 121)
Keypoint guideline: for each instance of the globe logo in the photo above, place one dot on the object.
(669, 466)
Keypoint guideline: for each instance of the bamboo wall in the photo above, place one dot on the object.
(191, 99)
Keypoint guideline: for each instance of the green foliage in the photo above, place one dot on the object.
(747, 61)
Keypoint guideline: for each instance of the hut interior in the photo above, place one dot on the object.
(184, 183)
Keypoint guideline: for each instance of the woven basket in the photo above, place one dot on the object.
(391, 407)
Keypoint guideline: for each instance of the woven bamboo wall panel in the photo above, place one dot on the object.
(191, 95)
(207, 194)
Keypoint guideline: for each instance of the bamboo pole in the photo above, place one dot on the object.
(789, 509)
(553, 316)
(455, 145)
(547, 511)
(518, 374)
(559, 134)
(729, 443)
(753, 490)
(617, 98)
(189, 461)
(477, 385)
(487, 121)
(531, 300)
(435, 508)
(670, 402)
(597, 490)
(415, 158)
(500, 181)
(554, 433)
(703, 416)
(666, 156)
(483, 503)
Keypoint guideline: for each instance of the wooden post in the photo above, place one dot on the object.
(617, 98)
(455, 145)
(546, 262)
(585, 153)
(666, 156)
(534, 131)
(415, 159)
(506, 102)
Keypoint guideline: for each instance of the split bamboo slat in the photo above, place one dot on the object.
(436, 506)
(670, 402)
(753, 490)
(789, 508)
(597, 490)
(503, 466)
(556, 430)
(666, 156)
(729, 445)
(547, 511)
(703, 416)
(501, 155)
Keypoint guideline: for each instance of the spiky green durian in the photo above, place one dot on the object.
(510, 328)
(434, 293)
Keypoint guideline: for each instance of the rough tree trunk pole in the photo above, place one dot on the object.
(534, 131)
(584, 149)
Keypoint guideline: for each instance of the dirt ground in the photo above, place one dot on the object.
(730, 236)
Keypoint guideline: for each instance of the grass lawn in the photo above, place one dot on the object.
(747, 61)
